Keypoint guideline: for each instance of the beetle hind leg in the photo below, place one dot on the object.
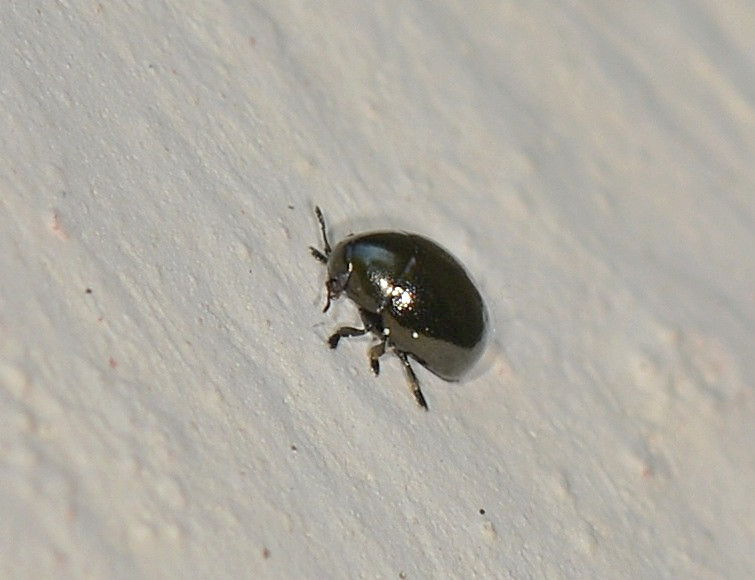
(412, 378)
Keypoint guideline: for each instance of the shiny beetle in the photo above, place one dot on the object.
(413, 295)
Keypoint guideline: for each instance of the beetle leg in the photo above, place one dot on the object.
(375, 353)
(371, 324)
(413, 382)
(344, 332)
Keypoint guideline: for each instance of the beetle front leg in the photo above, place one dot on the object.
(413, 382)
(371, 324)
(345, 332)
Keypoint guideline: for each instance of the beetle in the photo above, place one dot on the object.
(413, 295)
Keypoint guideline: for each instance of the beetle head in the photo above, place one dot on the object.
(339, 271)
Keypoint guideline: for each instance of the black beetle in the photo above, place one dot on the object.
(413, 295)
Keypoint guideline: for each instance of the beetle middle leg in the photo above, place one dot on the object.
(375, 353)
(413, 382)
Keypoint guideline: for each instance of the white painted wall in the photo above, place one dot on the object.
(168, 406)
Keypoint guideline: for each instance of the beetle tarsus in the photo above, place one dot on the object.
(413, 382)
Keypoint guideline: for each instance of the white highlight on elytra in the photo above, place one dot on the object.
(405, 297)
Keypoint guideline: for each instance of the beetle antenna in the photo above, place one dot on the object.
(318, 255)
(324, 231)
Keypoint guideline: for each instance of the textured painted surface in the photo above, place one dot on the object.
(168, 406)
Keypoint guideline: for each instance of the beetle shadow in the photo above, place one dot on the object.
(499, 317)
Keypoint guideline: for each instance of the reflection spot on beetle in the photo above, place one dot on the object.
(412, 295)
